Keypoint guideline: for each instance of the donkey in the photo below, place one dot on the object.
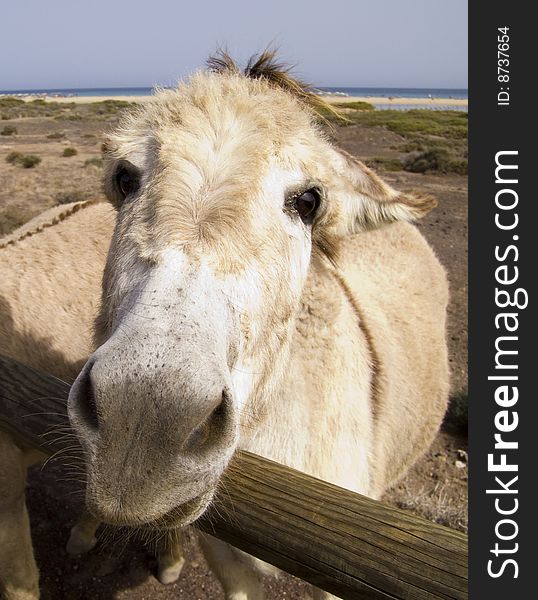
(262, 291)
(240, 310)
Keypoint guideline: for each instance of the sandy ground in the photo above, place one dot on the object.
(332, 99)
(436, 486)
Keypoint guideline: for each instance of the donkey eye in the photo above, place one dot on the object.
(306, 205)
(127, 180)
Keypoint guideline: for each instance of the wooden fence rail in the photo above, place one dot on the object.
(340, 541)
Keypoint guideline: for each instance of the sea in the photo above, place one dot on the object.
(398, 94)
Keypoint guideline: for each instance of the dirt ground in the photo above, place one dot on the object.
(436, 487)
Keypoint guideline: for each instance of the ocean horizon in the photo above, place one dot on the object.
(384, 92)
(396, 93)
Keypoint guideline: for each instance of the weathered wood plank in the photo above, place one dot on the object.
(345, 543)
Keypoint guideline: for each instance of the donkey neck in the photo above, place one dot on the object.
(322, 404)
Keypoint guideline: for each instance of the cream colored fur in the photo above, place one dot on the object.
(329, 338)
(50, 273)
(49, 297)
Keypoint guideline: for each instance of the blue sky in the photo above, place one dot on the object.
(118, 43)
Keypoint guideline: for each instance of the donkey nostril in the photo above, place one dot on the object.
(221, 408)
(199, 436)
(210, 426)
(87, 405)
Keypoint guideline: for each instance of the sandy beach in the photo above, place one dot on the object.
(380, 100)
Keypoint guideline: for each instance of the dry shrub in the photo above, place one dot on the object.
(28, 161)
(71, 196)
(9, 130)
(435, 505)
(13, 217)
(95, 161)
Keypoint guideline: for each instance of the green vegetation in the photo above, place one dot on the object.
(95, 161)
(11, 108)
(111, 105)
(9, 130)
(10, 102)
(355, 105)
(69, 117)
(14, 157)
(436, 159)
(408, 147)
(389, 164)
(450, 124)
(107, 110)
(433, 140)
(15, 108)
(70, 151)
(28, 161)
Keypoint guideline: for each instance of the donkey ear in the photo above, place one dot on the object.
(363, 201)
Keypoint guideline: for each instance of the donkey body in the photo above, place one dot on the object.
(254, 296)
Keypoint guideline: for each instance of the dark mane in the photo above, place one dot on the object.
(267, 67)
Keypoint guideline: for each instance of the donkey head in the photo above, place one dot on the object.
(225, 188)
